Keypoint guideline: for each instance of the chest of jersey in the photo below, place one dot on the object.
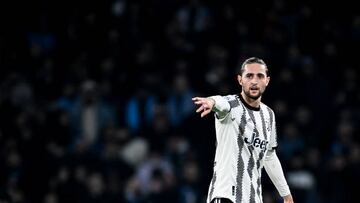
(252, 126)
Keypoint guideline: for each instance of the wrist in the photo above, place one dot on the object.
(288, 198)
(213, 102)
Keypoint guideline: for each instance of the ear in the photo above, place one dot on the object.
(239, 79)
(267, 80)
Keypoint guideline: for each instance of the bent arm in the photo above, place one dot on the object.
(274, 170)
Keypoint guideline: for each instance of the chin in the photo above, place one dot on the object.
(255, 97)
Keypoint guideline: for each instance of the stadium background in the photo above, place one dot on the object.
(95, 96)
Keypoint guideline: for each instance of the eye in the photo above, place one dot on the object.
(249, 75)
(261, 76)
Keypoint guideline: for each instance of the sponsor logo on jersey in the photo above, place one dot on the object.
(257, 142)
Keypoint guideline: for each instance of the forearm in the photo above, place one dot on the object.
(221, 104)
(276, 174)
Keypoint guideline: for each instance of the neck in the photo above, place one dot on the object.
(250, 101)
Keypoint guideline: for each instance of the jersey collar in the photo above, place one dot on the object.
(247, 105)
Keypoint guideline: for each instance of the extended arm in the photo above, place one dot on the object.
(276, 174)
(217, 104)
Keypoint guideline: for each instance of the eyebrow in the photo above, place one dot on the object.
(255, 74)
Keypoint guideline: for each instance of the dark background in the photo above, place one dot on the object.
(95, 96)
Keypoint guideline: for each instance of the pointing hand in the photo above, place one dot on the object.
(206, 105)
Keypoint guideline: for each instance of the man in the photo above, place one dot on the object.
(246, 140)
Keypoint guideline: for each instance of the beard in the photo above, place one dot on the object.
(254, 97)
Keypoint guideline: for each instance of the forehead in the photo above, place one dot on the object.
(255, 68)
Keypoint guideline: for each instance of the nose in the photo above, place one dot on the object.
(254, 80)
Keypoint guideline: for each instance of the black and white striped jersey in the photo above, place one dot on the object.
(244, 134)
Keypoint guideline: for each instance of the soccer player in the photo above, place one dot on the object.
(246, 140)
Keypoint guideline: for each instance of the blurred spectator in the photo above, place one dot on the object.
(302, 181)
(140, 110)
(179, 100)
(154, 181)
(155, 167)
(291, 142)
(189, 188)
(89, 116)
(135, 151)
(193, 17)
(21, 94)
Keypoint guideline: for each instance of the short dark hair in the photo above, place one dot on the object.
(251, 61)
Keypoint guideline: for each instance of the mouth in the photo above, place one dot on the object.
(254, 88)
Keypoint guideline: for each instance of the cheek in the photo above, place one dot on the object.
(265, 83)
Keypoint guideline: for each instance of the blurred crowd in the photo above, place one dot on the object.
(95, 97)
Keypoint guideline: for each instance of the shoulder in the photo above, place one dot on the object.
(233, 100)
(267, 108)
(229, 97)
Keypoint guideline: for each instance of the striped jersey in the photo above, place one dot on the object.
(243, 136)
